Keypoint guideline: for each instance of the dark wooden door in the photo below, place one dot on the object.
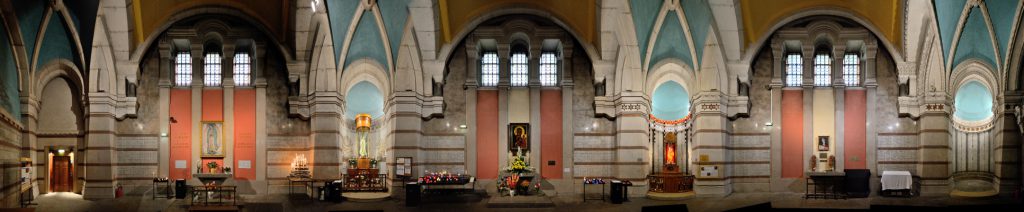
(61, 175)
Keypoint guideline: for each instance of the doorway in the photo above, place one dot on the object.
(61, 174)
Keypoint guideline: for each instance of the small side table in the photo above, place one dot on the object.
(593, 184)
(166, 184)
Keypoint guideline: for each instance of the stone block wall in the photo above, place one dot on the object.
(281, 150)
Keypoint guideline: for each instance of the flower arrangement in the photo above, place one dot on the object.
(519, 164)
(212, 165)
(669, 122)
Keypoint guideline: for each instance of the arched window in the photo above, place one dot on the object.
(822, 69)
(182, 69)
(489, 69)
(851, 69)
(520, 68)
(242, 70)
(794, 70)
(548, 69)
(211, 69)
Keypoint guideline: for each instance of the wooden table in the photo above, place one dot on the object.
(825, 185)
(306, 183)
(206, 193)
(593, 184)
(166, 184)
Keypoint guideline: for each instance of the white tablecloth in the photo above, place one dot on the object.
(896, 180)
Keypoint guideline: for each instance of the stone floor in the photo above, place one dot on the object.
(471, 202)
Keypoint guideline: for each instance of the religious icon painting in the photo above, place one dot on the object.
(518, 137)
(823, 143)
(212, 137)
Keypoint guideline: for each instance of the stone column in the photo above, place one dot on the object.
(533, 82)
(100, 158)
(164, 101)
(632, 147)
(933, 167)
(711, 135)
(197, 101)
(326, 121)
(839, 97)
(503, 90)
(471, 84)
(29, 143)
(778, 66)
(228, 106)
(870, 129)
(260, 83)
(565, 75)
(808, 107)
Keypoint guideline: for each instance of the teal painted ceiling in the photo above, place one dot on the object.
(30, 17)
(9, 100)
(1002, 13)
(367, 42)
(973, 102)
(340, 13)
(671, 42)
(645, 13)
(975, 41)
(57, 44)
(395, 14)
(364, 97)
(698, 17)
(670, 101)
(948, 12)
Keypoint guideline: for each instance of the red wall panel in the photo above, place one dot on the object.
(854, 123)
(245, 132)
(551, 133)
(792, 133)
(487, 134)
(181, 133)
(213, 105)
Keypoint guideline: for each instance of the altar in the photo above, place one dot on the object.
(670, 182)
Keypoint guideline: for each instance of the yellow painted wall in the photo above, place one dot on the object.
(152, 14)
(760, 15)
(824, 120)
(519, 106)
(579, 15)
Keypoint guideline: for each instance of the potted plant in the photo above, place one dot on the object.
(227, 169)
(212, 165)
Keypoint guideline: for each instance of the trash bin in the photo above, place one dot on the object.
(618, 192)
(180, 188)
(333, 191)
(412, 194)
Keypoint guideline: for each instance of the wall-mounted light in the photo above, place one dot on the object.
(463, 126)
(60, 151)
(163, 134)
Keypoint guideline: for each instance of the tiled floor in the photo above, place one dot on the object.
(281, 202)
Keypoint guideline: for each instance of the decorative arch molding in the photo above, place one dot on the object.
(366, 70)
(322, 59)
(59, 68)
(824, 31)
(752, 50)
(141, 50)
(674, 70)
(10, 22)
(448, 49)
(974, 70)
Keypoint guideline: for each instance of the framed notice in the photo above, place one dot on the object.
(403, 166)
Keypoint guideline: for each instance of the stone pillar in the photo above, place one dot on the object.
(261, 128)
(808, 107)
(632, 144)
(503, 90)
(228, 106)
(711, 134)
(100, 157)
(933, 167)
(197, 101)
(472, 68)
(839, 97)
(164, 101)
(871, 127)
(408, 128)
(326, 121)
(533, 82)
(778, 66)
(29, 143)
(565, 74)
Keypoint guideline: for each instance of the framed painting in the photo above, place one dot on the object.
(822, 143)
(518, 137)
(212, 137)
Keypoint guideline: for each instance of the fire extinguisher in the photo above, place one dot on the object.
(119, 192)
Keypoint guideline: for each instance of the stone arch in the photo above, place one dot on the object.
(322, 59)
(366, 70)
(449, 49)
(752, 50)
(670, 70)
(60, 68)
(974, 70)
(208, 10)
